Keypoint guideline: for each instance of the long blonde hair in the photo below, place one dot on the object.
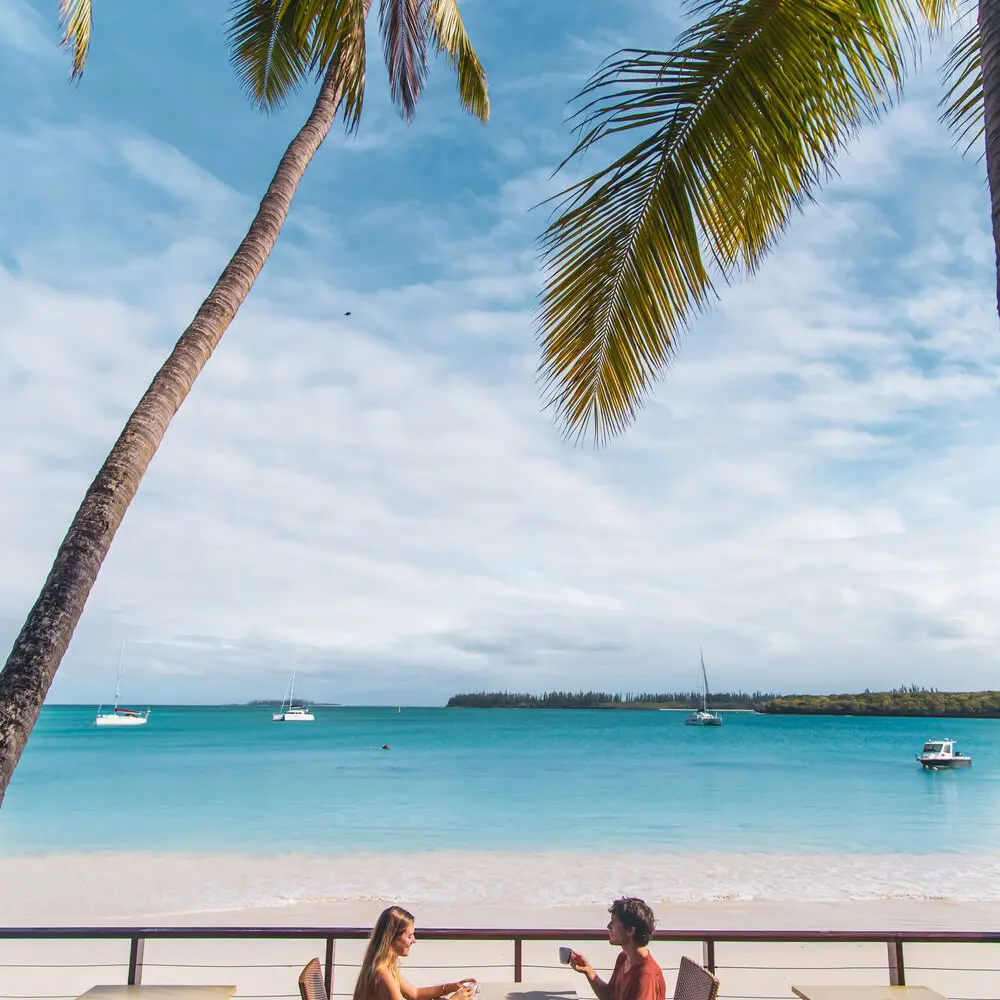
(380, 954)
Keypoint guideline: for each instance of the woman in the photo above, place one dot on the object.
(379, 978)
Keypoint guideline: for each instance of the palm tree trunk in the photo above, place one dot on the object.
(42, 642)
(989, 33)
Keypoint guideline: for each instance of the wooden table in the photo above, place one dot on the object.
(158, 993)
(866, 993)
(528, 991)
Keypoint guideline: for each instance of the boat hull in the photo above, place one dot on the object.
(293, 717)
(121, 720)
(930, 764)
(714, 721)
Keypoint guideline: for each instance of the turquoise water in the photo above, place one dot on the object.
(214, 778)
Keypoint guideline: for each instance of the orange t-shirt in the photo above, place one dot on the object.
(644, 981)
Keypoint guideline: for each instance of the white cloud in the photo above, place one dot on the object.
(22, 29)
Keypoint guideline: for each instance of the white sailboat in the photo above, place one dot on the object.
(702, 716)
(292, 712)
(120, 716)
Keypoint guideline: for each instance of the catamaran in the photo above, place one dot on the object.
(120, 716)
(292, 712)
(702, 716)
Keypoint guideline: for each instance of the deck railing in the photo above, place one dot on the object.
(894, 941)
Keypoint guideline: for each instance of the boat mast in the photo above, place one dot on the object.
(291, 690)
(118, 682)
(704, 680)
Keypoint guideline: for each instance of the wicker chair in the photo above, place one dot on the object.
(694, 982)
(311, 985)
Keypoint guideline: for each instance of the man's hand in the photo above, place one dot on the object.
(579, 963)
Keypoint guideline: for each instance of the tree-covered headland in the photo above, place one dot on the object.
(901, 701)
(904, 701)
(603, 699)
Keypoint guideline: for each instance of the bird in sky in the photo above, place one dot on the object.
(348, 313)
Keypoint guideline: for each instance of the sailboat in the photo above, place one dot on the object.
(120, 716)
(292, 712)
(702, 716)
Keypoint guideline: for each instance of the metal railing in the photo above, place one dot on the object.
(894, 941)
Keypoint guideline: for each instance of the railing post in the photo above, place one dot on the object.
(331, 953)
(897, 971)
(137, 947)
(517, 959)
(708, 955)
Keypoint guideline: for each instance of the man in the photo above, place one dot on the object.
(637, 975)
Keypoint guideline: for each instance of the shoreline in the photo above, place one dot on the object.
(121, 886)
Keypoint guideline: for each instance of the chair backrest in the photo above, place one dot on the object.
(311, 985)
(695, 982)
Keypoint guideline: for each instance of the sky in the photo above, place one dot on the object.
(809, 495)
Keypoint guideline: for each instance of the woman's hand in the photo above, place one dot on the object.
(463, 990)
(580, 964)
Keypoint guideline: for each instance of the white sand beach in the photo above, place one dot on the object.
(452, 889)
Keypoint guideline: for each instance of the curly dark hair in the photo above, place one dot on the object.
(635, 915)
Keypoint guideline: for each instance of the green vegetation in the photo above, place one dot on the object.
(275, 703)
(908, 701)
(602, 699)
(915, 701)
(736, 126)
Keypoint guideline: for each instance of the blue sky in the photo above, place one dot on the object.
(810, 494)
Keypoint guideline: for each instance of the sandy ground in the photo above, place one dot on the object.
(63, 891)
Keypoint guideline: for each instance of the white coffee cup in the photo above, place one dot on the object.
(564, 955)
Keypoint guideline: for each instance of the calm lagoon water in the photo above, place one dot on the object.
(229, 779)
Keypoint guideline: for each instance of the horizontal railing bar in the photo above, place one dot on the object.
(497, 934)
(802, 968)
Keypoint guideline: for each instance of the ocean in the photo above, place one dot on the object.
(209, 779)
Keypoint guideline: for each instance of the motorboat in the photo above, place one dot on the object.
(120, 716)
(702, 716)
(289, 711)
(942, 754)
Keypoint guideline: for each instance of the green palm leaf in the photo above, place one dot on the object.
(939, 13)
(267, 52)
(963, 77)
(76, 18)
(276, 44)
(741, 122)
(335, 30)
(404, 42)
(447, 30)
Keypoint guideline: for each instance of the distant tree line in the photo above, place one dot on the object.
(908, 701)
(604, 699)
(276, 702)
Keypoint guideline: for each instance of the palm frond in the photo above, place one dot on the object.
(277, 44)
(336, 29)
(404, 40)
(741, 122)
(270, 56)
(447, 30)
(963, 98)
(939, 14)
(76, 18)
